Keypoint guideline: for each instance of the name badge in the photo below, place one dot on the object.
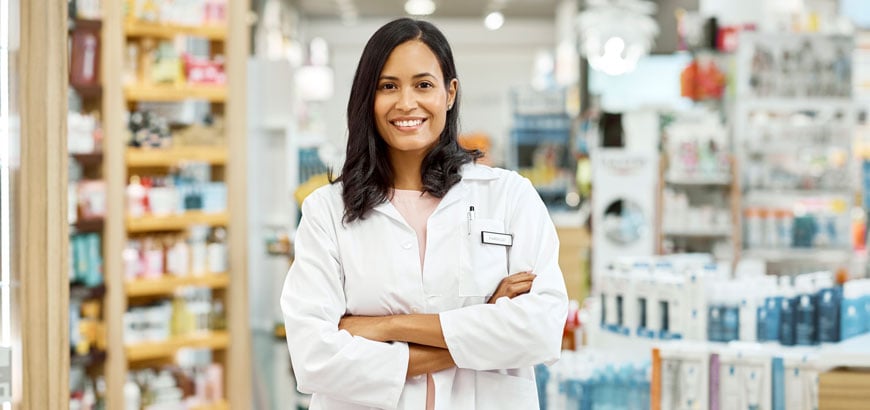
(494, 238)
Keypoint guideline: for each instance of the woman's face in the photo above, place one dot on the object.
(411, 100)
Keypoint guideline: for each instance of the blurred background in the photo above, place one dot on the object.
(705, 163)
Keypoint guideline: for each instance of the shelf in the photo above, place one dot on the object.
(221, 405)
(698, 181)
(176, 222)
(87, 91)
(698, 233)
(88, 159)
(797, 104)
(81, 292)
(853, 352)
(175, 93)
(775, 193)
(168, 284)
(139, 157)
(158, 350)
(90, 359)
(133, 28)
(787, 254)
(88, 226)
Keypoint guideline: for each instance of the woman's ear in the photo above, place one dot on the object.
(452, 89)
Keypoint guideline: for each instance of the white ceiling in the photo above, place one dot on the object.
(330, 9)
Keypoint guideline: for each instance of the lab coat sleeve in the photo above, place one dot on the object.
(527, 329)
(326, 360)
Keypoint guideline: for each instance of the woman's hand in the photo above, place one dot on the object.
(370, 327)
(513, 286)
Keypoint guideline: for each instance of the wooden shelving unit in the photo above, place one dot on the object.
(138, 157)
(214, 340)
(168, 284)
(175, 93)
(134, 28)
(176, 222)
(232, 346)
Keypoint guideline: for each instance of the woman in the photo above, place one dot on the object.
(386, 303)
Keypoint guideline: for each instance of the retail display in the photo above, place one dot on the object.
(697, 201)
(686, 297)
(793, 135)
(540, 143)
(194, 383)
(590, 380)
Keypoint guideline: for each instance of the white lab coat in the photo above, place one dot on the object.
(372, 268)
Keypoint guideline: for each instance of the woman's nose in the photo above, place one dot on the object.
(407, 100)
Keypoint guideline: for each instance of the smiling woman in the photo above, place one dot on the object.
(412, 285)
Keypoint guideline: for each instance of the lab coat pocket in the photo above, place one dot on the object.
(482, 266)
(497, 391)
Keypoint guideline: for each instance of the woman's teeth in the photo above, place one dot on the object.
(409, 123)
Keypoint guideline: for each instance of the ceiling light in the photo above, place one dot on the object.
(494, 20)
(419, 7)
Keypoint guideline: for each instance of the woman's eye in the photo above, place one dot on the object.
(426, 84)
(388, 86)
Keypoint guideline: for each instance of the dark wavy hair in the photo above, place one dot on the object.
(367, 174)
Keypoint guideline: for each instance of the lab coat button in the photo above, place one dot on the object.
(407, 245)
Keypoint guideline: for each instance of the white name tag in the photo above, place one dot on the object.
(494, 238)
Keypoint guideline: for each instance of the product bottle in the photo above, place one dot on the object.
(132, 395)
(787, 313)
(217, 251)
(852, 311)
(748, 310)
(153, 256)
(829, 300)
(805, 312)
(731, 315)
(198, 250)
(132, 260)
(773, 310)
(714, 315)
(136, 195)
(178, 257)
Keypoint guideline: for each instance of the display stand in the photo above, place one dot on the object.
(792, 130)
(230, 348)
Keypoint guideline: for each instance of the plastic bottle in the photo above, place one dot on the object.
(805, 311)
(828, 300)
(787, 312)
(773, 310)
(136, 194)
(217, 251)
(852, 313)
(714, 315)
(132, 395)
(865, 289)
(731, 314)
(748, 310)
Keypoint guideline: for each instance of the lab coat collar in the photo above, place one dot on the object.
(470, 171)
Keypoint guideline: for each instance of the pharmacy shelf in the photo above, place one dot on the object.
(176, 222)
(168, 284)
(143, 157)
(787, 254)
(221, 405)
(90, 359)
(775, 194)
(854, 352)
(796, 104)
(175, 93)
(88, 159)
(688, 180)
(698, 233)
(215, 340)
(95, 225)
(82, 292)
(134, 28)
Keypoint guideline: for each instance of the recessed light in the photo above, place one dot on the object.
(419, 7)
(494, 20)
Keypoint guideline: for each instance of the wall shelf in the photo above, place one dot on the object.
(168, 284)
(158, 350)
(221, 405)
(176, 222)
(697, 233)
(175, 93)
(134, 28)
(143, 157)
(685, 180)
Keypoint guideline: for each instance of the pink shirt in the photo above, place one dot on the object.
(416, 209)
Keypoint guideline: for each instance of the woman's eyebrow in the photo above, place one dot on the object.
(391, 78)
